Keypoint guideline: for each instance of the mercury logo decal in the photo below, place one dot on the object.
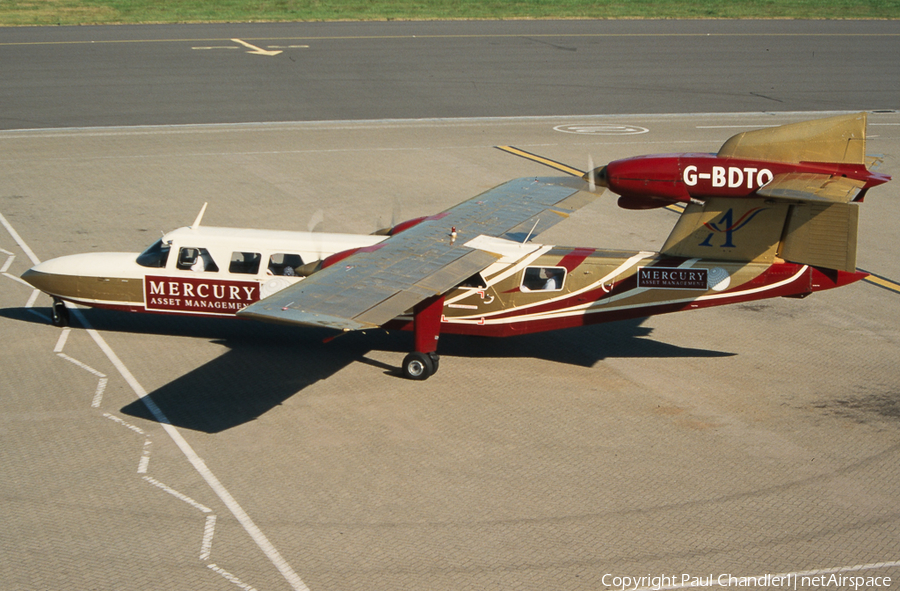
(673, 278)
(726, 225)
(203, 296)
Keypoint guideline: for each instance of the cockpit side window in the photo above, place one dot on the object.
(197, 260)
(282, 263)
(543, 279)
(244, 262)
(155, 256)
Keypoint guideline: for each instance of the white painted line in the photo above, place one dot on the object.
(178, 495)
(199, 465)
(381, 123)
(98, 395)
(8, 262)
(83, 366)
(17, 279)
(249, 526)
(145, 457)
(208, 531)
(61, 343)
(256, 50)
(32, 299)
(791, 576)
(38, 314)
(231, 578)
(15, 236)
(733, 126)
(116, 419)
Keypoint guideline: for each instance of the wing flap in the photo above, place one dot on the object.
(821, 188)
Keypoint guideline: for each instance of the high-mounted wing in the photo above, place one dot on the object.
(376, 284)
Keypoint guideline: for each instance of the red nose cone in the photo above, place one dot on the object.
(647, 177)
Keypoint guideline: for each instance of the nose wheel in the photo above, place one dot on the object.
(59, 314)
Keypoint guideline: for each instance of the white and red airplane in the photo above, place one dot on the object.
(773, 213)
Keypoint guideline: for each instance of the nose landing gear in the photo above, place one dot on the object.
(59, 314)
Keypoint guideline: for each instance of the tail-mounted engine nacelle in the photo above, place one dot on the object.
(645, 182)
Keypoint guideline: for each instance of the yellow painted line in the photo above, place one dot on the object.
(880, 281)
(541, 160)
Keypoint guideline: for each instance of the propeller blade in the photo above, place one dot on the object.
(592, 184)
(315, 220)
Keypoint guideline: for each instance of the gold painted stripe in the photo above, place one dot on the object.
(541, 160)
(881, 281)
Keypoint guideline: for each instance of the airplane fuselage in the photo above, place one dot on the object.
(532, 288)
(204, 271)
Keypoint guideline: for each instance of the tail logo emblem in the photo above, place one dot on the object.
(726, 225)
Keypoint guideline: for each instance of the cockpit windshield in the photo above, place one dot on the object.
(155, 256)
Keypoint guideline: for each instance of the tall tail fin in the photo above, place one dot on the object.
(761, 230)
(745, 230)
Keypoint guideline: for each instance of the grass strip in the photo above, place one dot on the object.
(90, 12)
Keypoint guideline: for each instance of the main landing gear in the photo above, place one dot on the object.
(419, 366)
(424, 360)
(59, 314)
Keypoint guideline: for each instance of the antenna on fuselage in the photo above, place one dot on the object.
(196, 223)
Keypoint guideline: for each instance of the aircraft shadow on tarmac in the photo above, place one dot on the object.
(266, 364)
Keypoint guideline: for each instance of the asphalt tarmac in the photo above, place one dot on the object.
(188, 74)
(752, 440)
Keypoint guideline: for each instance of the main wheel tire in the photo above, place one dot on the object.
(417, 366)
(59, 314)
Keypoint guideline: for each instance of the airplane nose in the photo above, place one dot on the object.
(51, 283)
(599, 176)
(91, 276)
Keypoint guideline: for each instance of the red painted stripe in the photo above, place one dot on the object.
(575, 258)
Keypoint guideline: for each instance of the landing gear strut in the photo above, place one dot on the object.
(59, 314)
(424, 360)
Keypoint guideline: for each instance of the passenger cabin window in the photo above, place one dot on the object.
(244, 262)
(197, 260)
(155, 256)
(543, 279)
(282, 263)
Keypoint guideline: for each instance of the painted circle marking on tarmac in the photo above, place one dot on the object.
(601, 129)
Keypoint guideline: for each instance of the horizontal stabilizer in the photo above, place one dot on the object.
(823, 188)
